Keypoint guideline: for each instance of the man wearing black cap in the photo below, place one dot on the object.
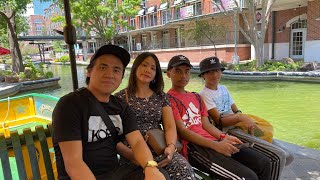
(205, 146)
(88, 123)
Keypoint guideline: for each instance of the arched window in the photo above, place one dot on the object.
(299, 24)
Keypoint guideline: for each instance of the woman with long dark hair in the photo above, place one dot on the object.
(152, 107)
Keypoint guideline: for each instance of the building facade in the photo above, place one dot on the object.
(295, 33)
(163, 28)
(36, 25)
(166, 29)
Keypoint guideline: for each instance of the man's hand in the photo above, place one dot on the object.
(169, 151)
(153, 173)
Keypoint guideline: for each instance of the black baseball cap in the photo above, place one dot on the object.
(177, 61)
(121, 53)
(209, 64)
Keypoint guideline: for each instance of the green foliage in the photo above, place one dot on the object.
(204, 29)
(49, 74)
(31, 72)
(57, 46)
(267, 66)
(224, 64)
(101, 17)
(64, 59)
(26, 50)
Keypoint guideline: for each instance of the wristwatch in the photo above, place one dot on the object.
(151, 164)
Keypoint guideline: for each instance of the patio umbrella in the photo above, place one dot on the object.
(4, 51)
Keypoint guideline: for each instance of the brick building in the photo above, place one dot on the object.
(36, 24)
(160, 27)
(163, 27)
(52, 11)
(295, 32)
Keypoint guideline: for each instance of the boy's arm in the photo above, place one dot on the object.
(193, 137)
(212, 130)
(72, 157)
(227, 120)
(223, 147)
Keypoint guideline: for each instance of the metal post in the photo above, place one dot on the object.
(235, 57)
(69, 33)
(40, 52)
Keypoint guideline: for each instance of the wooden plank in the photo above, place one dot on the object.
(45, 152)
(32, 153)
(17, 149)
(4, 158)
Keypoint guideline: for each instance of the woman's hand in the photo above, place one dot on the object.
(169, 151)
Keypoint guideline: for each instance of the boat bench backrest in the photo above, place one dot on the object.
(32, 152)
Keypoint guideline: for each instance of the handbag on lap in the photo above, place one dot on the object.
(156, 140)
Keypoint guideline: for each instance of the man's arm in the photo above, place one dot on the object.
(142, 154)
(72, 157)
(125, 152)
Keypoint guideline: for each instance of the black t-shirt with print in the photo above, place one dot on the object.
(76, 118)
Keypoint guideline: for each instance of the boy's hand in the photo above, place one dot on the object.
(225, 147)
(248, 123)
(233, 139)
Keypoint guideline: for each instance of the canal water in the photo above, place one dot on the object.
(292, 107)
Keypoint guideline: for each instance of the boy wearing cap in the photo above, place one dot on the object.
(206, 147)
(224, 112)
(84, 145)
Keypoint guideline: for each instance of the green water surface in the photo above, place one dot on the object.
(293, 108)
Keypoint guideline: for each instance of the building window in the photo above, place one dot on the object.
(153, 19)
(165, 16)
(143, 21)
(197, 9)
(177, 12)
(166, 39)
(299, 24)
(144, 41)
(133, 23)
(153, 40)
(38, 28)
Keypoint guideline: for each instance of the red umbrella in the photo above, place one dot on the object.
(4, 51)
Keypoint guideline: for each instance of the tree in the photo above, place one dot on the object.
(251, 31)
(11, 14)
(103, 17)
(210, 31)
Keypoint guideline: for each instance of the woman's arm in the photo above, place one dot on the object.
(170, 134)
(169, 125)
